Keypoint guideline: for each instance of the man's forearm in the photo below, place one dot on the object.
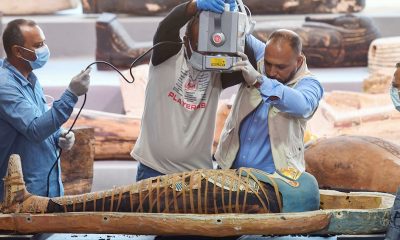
(300, 102)
(169, 30)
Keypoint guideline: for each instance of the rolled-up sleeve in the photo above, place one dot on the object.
(35, 126)
(300, 101)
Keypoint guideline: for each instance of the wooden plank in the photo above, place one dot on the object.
(7, 223)
(217, 225)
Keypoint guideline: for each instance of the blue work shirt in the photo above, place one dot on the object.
(255, 147)
(29, 128)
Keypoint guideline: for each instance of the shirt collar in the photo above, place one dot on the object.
(18, 74)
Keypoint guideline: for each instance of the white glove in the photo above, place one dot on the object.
(79, 84)
(66, 141)
(249, 73)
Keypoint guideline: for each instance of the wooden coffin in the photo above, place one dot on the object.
(29, 7)
(341, 213)
(354, 163)
(154, 7)
(136, 7)
(354, 113)
(304, 6)
(114, 44)
(115, 134)
(77, 163)
(334, 42)
(383, 55)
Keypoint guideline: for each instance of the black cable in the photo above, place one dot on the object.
(85, 96)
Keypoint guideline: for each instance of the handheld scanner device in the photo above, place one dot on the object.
(221, 36)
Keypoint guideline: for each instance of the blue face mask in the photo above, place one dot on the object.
(42, 56)
(394, 94)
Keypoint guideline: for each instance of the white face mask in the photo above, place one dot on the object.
(42, 56)
(394, 94)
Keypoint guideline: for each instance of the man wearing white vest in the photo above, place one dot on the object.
(266, 125)
(181, 102)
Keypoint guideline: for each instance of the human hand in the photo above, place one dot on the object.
(232, 5)
(249, 73)
(66, 140)
(211, 5)
(79, 84)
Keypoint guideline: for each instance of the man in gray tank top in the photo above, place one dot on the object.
(181, 102)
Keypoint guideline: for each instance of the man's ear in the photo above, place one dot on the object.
(16, 51)
(300, 60)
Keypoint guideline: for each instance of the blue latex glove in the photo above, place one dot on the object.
(232, 4)
(211, 5)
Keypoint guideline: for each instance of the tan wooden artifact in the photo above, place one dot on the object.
(355, 163)
(383, 55)
(77, 163)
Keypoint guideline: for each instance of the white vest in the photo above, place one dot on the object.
(178, 121)
(286, 131)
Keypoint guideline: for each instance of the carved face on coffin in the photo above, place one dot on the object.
(281, 60)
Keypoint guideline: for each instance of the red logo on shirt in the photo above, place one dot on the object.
(186, 105)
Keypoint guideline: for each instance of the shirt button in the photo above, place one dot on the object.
(249, 139)
(243, 157)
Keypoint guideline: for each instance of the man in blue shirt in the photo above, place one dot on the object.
(266, 125)
(27, 126)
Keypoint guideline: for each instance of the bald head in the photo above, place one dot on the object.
(283, 56)
(285, 36)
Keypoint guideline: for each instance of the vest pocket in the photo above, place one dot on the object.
(294, 151)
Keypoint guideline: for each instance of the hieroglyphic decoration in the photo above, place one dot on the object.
(155, 7)
(350, 163)
(332, 42)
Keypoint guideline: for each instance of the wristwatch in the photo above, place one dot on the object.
(258, 82)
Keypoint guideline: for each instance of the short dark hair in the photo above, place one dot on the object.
(12, 34)
(192, 22)
(289, 36)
